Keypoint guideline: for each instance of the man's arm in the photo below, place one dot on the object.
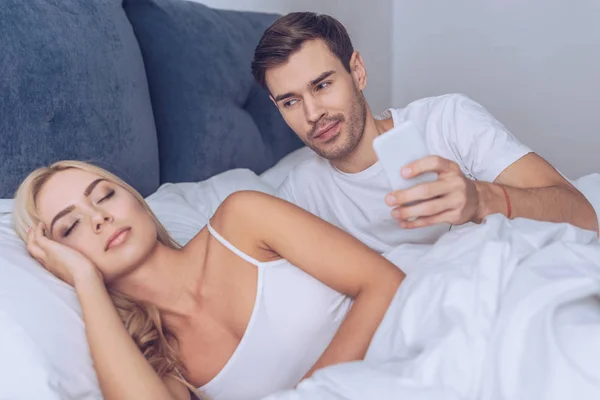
(496, 159)
(535, 190)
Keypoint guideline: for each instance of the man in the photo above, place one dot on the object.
(315, 78)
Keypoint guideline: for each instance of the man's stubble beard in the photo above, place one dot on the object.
(355, 129)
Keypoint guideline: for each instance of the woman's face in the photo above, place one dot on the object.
(98, 218)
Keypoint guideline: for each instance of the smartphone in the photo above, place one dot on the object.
(398, 147)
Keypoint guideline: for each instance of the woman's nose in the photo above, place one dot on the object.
(100, 218)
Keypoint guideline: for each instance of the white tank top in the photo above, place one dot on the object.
(295, 317)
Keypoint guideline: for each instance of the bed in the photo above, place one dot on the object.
(159, 92)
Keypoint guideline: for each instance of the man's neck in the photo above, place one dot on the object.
(363, 155)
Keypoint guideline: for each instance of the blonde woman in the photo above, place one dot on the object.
(260, 298)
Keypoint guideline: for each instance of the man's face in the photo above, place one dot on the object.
(320, 100)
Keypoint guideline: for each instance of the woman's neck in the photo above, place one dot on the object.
(169, 279)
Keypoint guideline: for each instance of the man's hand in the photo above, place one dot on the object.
(452, 199)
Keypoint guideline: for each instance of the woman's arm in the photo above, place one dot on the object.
(322, 250)
(123, 372)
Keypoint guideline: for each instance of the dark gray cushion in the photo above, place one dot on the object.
(210, 114)
(73, 86)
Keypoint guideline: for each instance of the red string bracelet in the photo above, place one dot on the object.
(508, 206)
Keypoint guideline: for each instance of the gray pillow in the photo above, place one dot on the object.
(210, 114)
(73, 86)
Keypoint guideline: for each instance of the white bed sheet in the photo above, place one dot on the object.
(502, 310)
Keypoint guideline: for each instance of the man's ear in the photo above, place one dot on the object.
(358, 70)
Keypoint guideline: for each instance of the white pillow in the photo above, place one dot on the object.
(184, 208)
(275, 175)
(6, 206)
(43, 349)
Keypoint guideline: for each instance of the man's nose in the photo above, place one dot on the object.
(314, 110)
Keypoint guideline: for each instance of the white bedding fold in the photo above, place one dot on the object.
(502, 310)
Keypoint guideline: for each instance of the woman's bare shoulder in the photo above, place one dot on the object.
(240, 219)
(240, 208)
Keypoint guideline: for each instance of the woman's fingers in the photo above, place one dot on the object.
(40, 237)
(56, 258)
(39, 232)
(33, 247)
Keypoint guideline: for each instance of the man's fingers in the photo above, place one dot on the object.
(443, 217)
(429, 164)
(423, 209)
(423, 191)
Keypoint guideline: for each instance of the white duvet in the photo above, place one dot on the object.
(502, 310)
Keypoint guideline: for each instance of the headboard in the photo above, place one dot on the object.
(153, 90)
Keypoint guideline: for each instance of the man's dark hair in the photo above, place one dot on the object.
(287, 35)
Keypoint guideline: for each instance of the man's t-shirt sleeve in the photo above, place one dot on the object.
(285, 191)
(481, 143)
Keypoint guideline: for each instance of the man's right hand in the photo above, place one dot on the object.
(452, 198)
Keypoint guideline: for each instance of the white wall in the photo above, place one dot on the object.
(534, 64)
(369, 24)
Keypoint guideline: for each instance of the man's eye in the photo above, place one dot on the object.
(289, 103)
(323, 85)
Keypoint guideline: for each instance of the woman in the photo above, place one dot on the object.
(260, 298)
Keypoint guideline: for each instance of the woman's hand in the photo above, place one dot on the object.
(64, 262)
(122, 370)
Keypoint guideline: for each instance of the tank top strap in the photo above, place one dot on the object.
(232, 248)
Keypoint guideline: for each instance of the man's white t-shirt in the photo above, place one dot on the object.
(454, 127)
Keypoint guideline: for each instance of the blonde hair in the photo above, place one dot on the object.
(142, 320)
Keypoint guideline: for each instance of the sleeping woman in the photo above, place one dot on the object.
(258, 300)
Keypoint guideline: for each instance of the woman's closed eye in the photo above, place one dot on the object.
(71, 227)
(110, 194)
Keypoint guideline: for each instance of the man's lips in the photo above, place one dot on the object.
(326, 128)
(117, 237)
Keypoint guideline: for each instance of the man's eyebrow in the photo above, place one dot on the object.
(321, 77)
(314, 82)
(88, 190)
(283, 96)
